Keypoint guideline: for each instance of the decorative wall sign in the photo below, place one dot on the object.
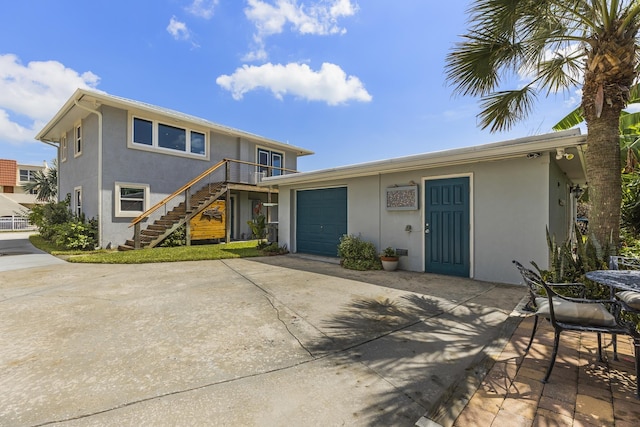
(402, 198)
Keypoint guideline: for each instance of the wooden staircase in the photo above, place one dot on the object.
(157, 231)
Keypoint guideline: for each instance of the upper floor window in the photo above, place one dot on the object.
(63, 148)
(163, 136)
(27, 175)
(77, 150)
(271, 162)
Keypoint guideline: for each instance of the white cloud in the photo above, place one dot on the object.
(34, 93)
(202, 8)
(330, 84)
(319, 17)
(178, 29)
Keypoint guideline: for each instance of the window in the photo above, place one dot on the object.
(142, 131)
(131, 199)
(77, 201)
(63, 148)
(27, 175)
(78, 141)
(270, 162)
(162, 136)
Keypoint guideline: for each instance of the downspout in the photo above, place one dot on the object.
(99, 114)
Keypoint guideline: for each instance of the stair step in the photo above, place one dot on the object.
(125, 248)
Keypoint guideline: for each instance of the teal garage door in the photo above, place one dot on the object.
(321, 219)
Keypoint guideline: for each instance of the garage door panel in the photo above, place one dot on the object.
(321, 219)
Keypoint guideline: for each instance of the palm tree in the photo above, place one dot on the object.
(45, 183)
(562, 44)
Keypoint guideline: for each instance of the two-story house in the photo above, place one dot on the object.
(142, 171)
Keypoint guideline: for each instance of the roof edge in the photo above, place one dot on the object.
(464, 155)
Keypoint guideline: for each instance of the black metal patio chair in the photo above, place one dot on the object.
(570, 314)
(533, 280)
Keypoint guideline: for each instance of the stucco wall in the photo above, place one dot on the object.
(509, 214)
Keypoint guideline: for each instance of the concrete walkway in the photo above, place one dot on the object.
(268, 341)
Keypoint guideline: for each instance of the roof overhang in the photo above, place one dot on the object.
(571, 141)
(70, 114)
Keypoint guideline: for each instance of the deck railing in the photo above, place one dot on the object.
(227, 171)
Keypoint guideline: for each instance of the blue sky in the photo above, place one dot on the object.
(353, 81)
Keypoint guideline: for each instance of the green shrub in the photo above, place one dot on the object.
(177, 238)
(58, 225)
(357, 254)
(76, 234)
(273, 249)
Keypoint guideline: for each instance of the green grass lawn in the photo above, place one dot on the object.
(181, 253)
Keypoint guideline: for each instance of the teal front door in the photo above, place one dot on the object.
(447, 249)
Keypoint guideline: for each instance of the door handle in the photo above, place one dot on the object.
(426, 228)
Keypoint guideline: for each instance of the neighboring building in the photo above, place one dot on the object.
(14, 176)
(118, 158)
(465, 212)
(15, 200)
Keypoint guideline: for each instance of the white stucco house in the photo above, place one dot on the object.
(465, 212)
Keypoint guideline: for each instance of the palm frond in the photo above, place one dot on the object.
(501, 110)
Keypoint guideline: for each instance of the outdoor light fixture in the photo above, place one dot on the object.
(560, 154)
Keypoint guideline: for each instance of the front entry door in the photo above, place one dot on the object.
(447, 249)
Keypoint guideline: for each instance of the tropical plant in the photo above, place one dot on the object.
(562, 45)
(358, 254)
(258, 224)
(45, 183)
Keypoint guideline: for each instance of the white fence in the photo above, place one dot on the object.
(15, 223)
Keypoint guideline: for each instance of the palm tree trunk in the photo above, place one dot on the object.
(604, 178)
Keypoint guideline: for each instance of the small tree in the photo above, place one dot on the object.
(45, 183)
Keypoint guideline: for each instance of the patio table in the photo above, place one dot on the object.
(624, 280)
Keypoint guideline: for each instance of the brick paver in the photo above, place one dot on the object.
(581, 391)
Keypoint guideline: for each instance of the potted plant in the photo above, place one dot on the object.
(389, 259)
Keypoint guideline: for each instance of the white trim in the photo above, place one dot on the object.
(155, 148)
(423, 202)
(116, 202)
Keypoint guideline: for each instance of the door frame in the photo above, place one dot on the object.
(471, 216)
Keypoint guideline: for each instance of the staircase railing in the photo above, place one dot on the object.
(244, 173)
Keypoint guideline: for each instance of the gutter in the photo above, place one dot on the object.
(99, 114)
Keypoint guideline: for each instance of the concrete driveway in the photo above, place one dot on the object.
(275, 341)
(16, 252)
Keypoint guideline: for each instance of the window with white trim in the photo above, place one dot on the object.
(77, 145)
(63, 148)
(77, 201)
(271, 162)
(163, 136)
(27, 175)
(131, 199)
